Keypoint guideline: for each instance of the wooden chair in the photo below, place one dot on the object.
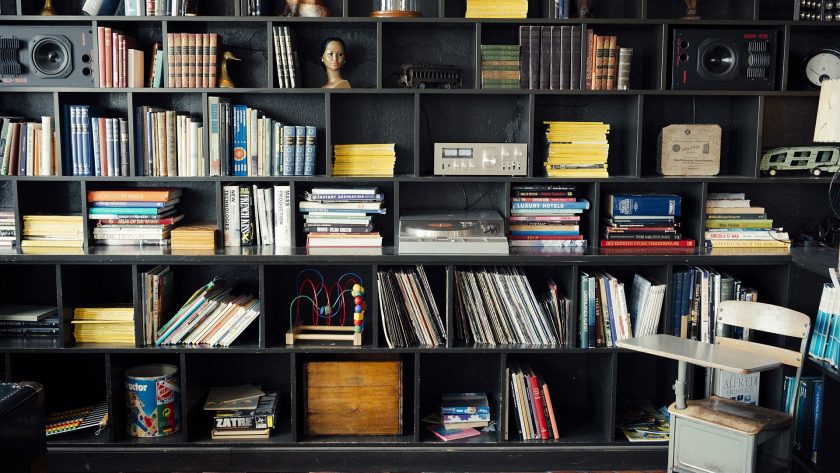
(718, 435)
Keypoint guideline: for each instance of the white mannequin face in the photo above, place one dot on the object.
(333, 57)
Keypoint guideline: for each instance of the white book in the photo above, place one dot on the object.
(282, 215)
(46, 147)
(269, 214)
(230, 204)
(193, 147)
(257, 199)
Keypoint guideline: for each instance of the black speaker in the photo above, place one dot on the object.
(53, 56)
(723, 59)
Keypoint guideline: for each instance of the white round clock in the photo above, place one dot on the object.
(822, 64)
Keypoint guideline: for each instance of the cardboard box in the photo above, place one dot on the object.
(689, 150)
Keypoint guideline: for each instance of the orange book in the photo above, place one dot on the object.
(109, 58)
(170, 61)
(547, 398)
(214, 40)
(205, 61)
(191, 60)
(100, 36)
(600, 63)
(134, 195)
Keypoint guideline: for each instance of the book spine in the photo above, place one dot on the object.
(246, 216)
(574, 67)
(213, 109)
(311, 140)
(534, 57)
(212, 80)
(289, 149)
(625, 57)
(565, 57)
(684, 243)
(546, 53)
(590, 59)
(291, 58)
(240, 141)
(538, 407)
(644, 205)
(612, 60)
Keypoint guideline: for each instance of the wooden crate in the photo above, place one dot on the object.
(353, 398)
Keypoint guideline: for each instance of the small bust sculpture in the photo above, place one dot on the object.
(332, 60)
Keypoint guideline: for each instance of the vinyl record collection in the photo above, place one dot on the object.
(496, 305)
(410, 314)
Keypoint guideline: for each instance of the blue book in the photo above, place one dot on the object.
(583, 311)
(300, 149)
(22, 160)
(128, 210)
(591, 282)
(289, 146)
(581, 204)
(87, 159)
(643, 204)
(70, 144)
(464, 404)
(135, 204)
(240, 141)
(817, 420)
(309, 153)
(97, 156)
(608, 314)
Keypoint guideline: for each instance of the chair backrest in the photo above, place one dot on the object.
(767, 318)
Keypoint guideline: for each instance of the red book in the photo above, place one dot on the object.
(140, 221)
(546, 237)
(543, 199)
(134, 195)
(544, 218)
(684, 243)
(538, 406)
(100, 34)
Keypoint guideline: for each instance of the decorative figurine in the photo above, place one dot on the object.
(691, 10)
(307, 8)
(585, 9)
(225, 80)
(332, 60)
(48, 8)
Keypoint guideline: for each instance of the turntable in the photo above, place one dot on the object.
(458, 232)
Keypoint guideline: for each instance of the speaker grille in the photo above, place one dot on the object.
(51, 56)
(9, 64)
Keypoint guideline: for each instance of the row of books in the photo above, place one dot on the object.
(825, 340)
(213, 316)
(7, 227)
(643, 220)
(104, 325)
(27, 148)
(607, 64)
(169, 143)
(731, 222)
(285, 58)
(191, 59)
(807, 410)
(603, 317)
(156, 286)
(242, 412)
(134, 216)
(367, 160)
(532, 406)
(142, 7)
(546, 215)
(245, 142)
(496, 306)
(98, 145)
(119, 62)
(500, 66)
(342, 217)
(18, 320)
(577, 149)
(496, 9)
(255, 215)
(409, 312)
(63, 231)
(550, 57)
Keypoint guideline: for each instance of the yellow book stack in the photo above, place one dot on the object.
(62, 231)
(104, 325)
(497, 9)
(364, 160)
(577, 149)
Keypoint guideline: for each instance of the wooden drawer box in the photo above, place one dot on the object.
(353, 398)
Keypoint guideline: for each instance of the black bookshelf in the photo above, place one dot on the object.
(589, 383)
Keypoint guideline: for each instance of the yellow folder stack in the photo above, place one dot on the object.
(364, 160)
(577, 149)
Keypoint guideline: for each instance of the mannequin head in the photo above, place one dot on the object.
(332, 54)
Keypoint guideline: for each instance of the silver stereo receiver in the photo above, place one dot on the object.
(481, 159)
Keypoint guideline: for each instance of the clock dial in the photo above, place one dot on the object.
(821, 66)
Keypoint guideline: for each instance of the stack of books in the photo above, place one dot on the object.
(156, 287)
(603, 317)
(499, 66)
(646, 301)
(497, 9)
(550, 57)
(365, 160)
(257, 216)
(532, 405)
(463, 412)
(212, 316)
(607, 65)
(643, 220)
(241, 412)
(731, 222)
(191, 59)
(104, 325)
(546, 215)
(286, 59)
(98, 145)
(641, 422)
(119, 63)
(170, 143)
(28, 321)
(64, 231)
(410, 314)
(27, 148)
(134, 216)
(577, 149)
(7, 227)
(245, 142)
(194, 236)
(342, 217)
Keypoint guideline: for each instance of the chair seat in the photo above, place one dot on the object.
(734, 415)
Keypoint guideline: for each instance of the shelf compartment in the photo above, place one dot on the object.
(578, 384)
(707, 10)
(432, 197)
(437, 277)
(788, 121)
(269, 371)
(621, 112)
(247, 41)
(69, 7)
(30, 285)
(106, 105)
(646, 41)
(503, 119)
(8, 7)
(43, 197)
(113, 288)
(283, 283)
(291, 109)
(737, 117)
(618, 9)
(406, 407)
(536, 9)
(71, 381)
(185, 103)
(360, 53)
(804, 39)
(775, 10)
(146, 33)
(119, 412)
(374, 119)
(642, 377)
(31, 105)
(459, 373)
(426, 44)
